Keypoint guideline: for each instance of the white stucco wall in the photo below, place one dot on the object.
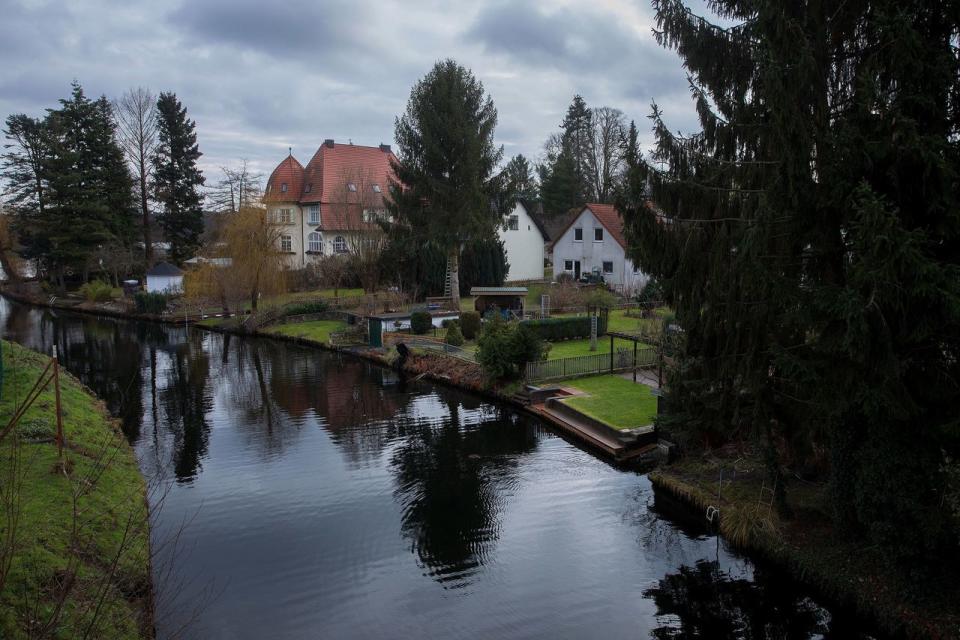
(165, 284)
(523, 245)
(625, 277)
(299, 231)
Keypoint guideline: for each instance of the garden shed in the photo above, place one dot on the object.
(505, 299)
(164, 277)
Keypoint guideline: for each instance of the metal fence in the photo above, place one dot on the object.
(436, 346)
(621, 360)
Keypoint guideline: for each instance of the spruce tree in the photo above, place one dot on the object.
(445, 172)
(517, 181)
(809, 239)
(177, 179)
(578, 141)
(24, 166)
(560, 188)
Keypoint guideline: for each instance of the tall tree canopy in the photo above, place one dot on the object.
(136, 116)
(809, 238)
(445, 174)
(517, 182)
(177, 179)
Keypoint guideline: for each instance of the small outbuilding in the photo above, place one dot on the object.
(507, 300)
(164, 277)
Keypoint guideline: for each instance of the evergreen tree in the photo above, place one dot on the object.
(560, 189)
(23, 166)
(809, 239)
(578, 140)
(517, 181)
(176, 178)
(445, 174)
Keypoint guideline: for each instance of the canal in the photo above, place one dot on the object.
(303, 494)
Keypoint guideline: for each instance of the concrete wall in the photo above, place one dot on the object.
(524, 246)
(625, 276)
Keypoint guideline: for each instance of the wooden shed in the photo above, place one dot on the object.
(508, 300)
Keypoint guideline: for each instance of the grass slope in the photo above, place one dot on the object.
(316, 330)
(614, 400)
(112, 524)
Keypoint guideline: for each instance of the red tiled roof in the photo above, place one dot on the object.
(290, 172)
(332, 166)
(608, 216)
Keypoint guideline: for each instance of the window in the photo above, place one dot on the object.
(308, 188)
(339, 245)
(351, 187)
(315, 242)
(313, 214)
(376, 188)
(283, 187)
(578, 235)
(598, 235)
(513, 223)
(608, 267)
(286, 244)
(568, 265)
(282, 216)
(374, 215)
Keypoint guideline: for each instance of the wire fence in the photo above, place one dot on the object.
(620, 360)
(435, 346)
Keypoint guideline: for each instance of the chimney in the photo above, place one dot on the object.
(385, 148)
(328, 143)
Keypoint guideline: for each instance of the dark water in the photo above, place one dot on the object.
(321, 497)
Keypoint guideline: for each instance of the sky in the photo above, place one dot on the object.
(260, 76)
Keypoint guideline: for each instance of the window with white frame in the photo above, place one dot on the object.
(314, 242)
(374, 215)
(283, 187)
(339, 244)
(513, 223)
(607, 267)
(376, 188)
(286, 244)
(568, 265)
(283, 216)
(578, 234)
(351, 187)
(313, 214)
(598, 235)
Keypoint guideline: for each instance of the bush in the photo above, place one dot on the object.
(311, 306)
(421, 322)
(504, 349)
(454, 337)
(97, 291)
(470, 324)
(565, 328)
(600, 299)
(147, 302)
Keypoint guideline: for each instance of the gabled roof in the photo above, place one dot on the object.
(289, 172)
(333, 164)
(164, 269)
(534, 209)
(608, 216)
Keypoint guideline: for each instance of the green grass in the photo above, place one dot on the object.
(103, 472)
(617, 401)
(316, 330)
(581, 347)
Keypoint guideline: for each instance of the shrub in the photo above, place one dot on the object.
(565, 328)
(504, 349)
(97, 291)
(421, 322)
(147, 302)
(470, 324)
(600, 299)
(454, 337)
(310, 306)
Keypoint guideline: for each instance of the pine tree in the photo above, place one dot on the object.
(176, 178)
(809, 239)
(24, 169)
(560, 189)
(577, 140)
(517, 181)
(445, 174)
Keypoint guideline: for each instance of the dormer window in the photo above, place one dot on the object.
(283, 187)
(308, 188)
(376, 188)
(351, 187)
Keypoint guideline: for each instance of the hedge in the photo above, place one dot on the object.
(553, 329)
(421, 322)
(147, 302)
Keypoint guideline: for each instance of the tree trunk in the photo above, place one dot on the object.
(455, 279)
(145, 211)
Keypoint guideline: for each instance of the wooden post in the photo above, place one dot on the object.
(56, 390)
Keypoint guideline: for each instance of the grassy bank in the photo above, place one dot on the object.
(808, 546)
(74, 560)
(614, 400)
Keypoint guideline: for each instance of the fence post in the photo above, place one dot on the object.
(56, 387)
(611, 354)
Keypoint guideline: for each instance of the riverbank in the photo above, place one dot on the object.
(75, 534)
(807, 547)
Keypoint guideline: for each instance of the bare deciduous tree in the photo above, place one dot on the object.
(135, 113)
(609, 128)
(239, 188)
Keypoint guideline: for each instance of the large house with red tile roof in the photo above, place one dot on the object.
(593, 242)
(330, 205)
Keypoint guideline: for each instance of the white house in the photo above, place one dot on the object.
(593, 242)
(523, 240)
(163, 277)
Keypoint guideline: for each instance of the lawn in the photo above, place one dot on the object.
(49, 543)
(581, 347)
(617, 401)
(316, 330)
(619, 321)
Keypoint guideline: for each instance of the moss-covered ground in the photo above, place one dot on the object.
(73, 534)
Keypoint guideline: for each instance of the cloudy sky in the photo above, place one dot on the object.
(259, 76)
